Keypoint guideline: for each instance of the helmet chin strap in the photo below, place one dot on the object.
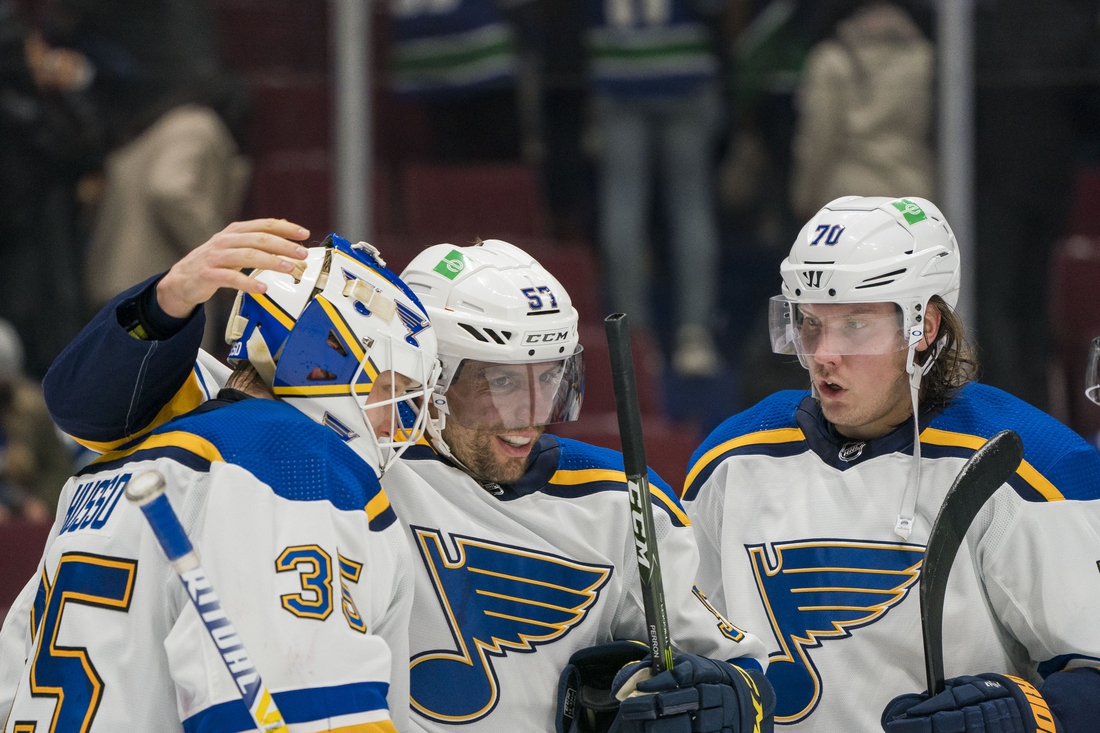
(906, 515)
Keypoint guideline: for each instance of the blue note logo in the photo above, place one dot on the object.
(824, 589)
(414, 322)
(498, 599)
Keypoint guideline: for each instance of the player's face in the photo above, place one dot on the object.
(387, 386)
(497, 409)
(864, 395)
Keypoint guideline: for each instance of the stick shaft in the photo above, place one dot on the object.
(148, 494)
(985, 471)
(637, 478)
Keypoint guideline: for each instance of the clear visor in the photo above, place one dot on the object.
(1092, 375)
(835, 329)
(485, 395)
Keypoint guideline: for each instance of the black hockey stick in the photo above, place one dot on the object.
(990, 467)
(637, 482)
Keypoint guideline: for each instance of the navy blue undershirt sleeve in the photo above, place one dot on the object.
(108, 384)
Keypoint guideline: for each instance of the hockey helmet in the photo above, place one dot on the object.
(860, 251)
(329, 339)
(507, 331)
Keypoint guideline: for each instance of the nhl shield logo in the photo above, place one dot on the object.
(851, 451)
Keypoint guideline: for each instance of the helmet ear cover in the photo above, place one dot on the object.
(328, 335)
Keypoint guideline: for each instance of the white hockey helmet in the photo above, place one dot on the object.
(507, 334)
(325, 338)
(859, 250)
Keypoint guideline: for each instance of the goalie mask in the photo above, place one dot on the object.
(346, 342)
(508, 340)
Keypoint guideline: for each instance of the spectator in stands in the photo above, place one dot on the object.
(34, 462)
(462, 60)
(865, 109)
(658, 111)
(48, 140)
(173, 176)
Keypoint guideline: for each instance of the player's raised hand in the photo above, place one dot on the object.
(258, 244)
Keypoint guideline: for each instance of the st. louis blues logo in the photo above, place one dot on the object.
(413, 321)
(498, 599)
(824, 589)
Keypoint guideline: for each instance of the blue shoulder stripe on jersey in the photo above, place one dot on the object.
(297, 706)
(768, 428)
(585, 469)
(1058, 463)
(178, 454)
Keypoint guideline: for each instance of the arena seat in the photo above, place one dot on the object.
(262, 35)
(461, 203)
(297, 185)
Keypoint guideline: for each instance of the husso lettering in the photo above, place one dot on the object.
(93, 502)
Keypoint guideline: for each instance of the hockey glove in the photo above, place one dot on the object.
(698, 695)
(585, 702)
(988, 703)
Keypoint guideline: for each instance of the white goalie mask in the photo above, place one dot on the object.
(508, 342)
(345, 341)
(853, 256)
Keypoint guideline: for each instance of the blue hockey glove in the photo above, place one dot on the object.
(585, 702)
(698, 695)
(987, 703)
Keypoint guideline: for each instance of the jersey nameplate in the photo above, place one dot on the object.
(93, 503)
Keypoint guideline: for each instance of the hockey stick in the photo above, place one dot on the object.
(985, 472)
(637, 483)
(146, 491)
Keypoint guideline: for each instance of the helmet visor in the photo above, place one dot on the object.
(1092, 375)
(485, 395)
(835, 329)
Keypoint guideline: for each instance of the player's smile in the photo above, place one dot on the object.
(517, 443)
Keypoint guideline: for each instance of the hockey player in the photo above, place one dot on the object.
(316, 586)
(812, 509)
(525, 554)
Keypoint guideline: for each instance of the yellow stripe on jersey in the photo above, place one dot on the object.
(175, 439)
(189, 396)
(1027, 472)
(779, 435)
(377, 505)
(592, 475)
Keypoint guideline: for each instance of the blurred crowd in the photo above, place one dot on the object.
(685, 140)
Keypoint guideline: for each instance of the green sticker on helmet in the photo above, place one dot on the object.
(451, 265)
(909, 210)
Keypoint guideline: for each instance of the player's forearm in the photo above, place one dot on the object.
(108, 384)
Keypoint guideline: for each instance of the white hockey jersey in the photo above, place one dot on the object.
(508, 587)
(796, 530)
(319, 590)
(514, 579)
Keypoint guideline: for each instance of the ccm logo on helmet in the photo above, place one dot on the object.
(545, 337)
